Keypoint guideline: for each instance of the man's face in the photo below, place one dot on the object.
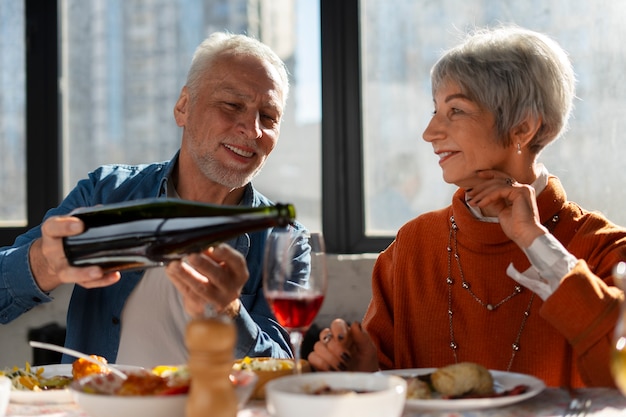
(233, 123)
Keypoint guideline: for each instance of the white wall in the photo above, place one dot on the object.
(14, 348)
(348, 294)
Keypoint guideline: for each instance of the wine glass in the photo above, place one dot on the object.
(294, 281)
(618, 355)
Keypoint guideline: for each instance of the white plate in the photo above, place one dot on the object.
(502, 381)
(55, 396)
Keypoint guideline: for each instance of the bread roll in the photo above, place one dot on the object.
(462, 379)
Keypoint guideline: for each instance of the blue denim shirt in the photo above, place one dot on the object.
(93, 318)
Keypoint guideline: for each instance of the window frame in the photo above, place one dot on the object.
(43, 158)
(343, 216)
(343, 195)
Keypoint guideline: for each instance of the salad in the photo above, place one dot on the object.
(32, 379)
(263, 364)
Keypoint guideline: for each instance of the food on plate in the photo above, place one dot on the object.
(267, 369)
(148, 383)
(264, 364)
(177, 376)
(417, 389)
(32, 379)
(161, 380)
(462, 379)
(82, 367)
(327, 390)
(459, 380)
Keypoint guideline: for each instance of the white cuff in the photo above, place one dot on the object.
(550, 263)
(531, 280)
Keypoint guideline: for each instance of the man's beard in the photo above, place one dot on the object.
(227, 177)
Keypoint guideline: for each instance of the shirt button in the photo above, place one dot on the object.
(37, 299)
(115, 320)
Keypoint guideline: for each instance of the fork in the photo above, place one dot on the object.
(577, 407)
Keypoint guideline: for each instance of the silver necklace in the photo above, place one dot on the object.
(515, 347)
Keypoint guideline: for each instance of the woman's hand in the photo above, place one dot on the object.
(214, 277)
(513, 203)
(344, 348)
(49, 264)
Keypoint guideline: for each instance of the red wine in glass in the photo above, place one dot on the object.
(293, 311)
(294, 281)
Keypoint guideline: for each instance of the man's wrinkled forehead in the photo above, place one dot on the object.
(235, 68)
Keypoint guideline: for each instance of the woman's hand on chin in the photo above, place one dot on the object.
(514, 203)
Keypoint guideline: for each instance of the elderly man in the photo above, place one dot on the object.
(230, 112)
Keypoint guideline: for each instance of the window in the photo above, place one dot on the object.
(375, 101)
(12, 115)
(380, 102)
(124, 63)
(28, 114)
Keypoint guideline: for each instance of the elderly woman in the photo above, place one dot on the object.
(511, 275)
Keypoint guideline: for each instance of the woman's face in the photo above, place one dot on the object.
(463, 136)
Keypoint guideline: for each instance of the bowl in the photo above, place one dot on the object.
(96, 396)
(343, 394)
(101, 405)
(267, 369)
(5, 392)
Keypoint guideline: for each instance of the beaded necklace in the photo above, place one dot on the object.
(515, 347)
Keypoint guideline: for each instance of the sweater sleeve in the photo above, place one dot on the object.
(378, 319)
(584, 309)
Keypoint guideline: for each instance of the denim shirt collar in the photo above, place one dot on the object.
(167, 174)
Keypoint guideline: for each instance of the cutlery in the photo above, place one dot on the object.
(77, 354)
(577, 407)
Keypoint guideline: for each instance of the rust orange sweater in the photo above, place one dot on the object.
(566, 340)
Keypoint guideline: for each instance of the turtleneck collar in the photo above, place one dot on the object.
(539, 185)
(549, 202)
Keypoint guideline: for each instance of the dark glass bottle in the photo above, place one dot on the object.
(146, 233)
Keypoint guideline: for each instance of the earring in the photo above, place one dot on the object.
(519, 149)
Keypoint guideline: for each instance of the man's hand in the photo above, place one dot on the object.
(214, 277)
(49, 264)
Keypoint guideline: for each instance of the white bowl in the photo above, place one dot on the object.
(375, 395)
(105, 404)
(100, 405)
(5, 392)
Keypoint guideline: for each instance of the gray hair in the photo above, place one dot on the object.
(219, 43)
(513, 73)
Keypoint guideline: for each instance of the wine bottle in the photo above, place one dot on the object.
(151, 232)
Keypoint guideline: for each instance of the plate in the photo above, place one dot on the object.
(502, 381)
(55, 396)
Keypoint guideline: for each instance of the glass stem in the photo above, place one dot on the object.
(296, 344)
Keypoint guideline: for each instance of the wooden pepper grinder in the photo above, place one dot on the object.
(210, 342)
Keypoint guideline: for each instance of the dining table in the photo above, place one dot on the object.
(551, 402)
